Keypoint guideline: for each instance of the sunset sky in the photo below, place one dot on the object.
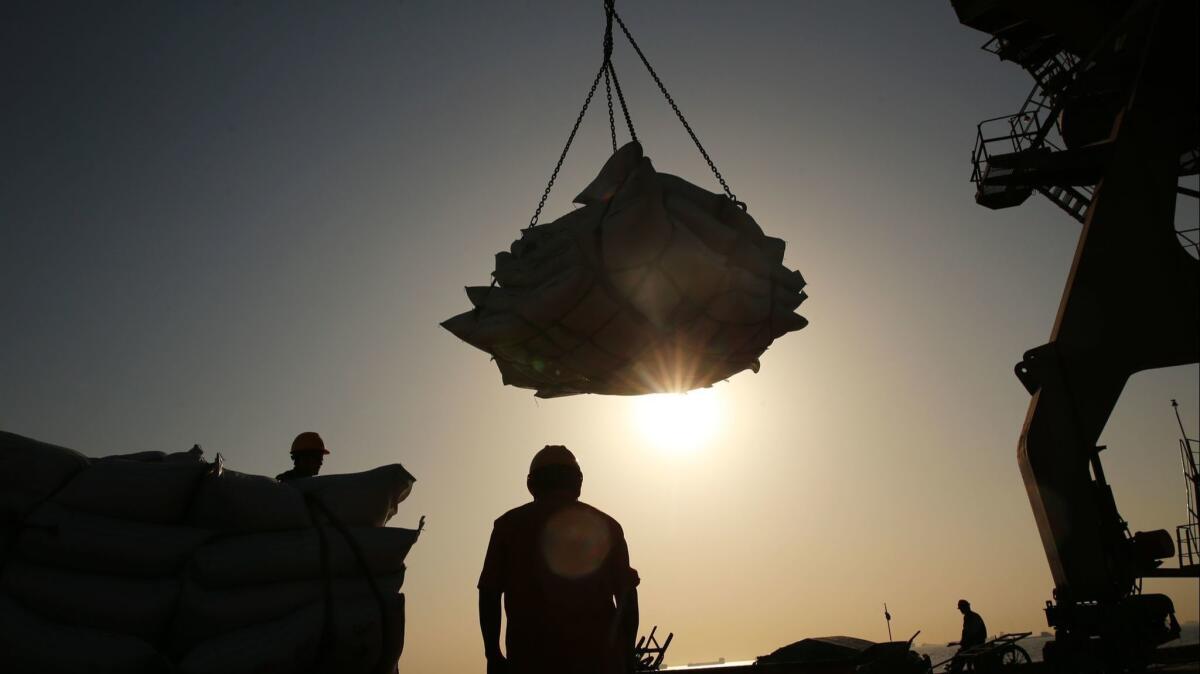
(226, 223)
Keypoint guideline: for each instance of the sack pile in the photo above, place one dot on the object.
(153, 562)
(654, 285)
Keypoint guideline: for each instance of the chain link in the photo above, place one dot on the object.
(575, 129)
(609, 73)
(678, 113)
(612, 124)
(621, 97)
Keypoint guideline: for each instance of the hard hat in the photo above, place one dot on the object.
(552, 455)
(308, 441)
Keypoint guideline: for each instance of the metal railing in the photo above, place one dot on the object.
(1018, 133)
(1029, 128)
(1187, 536)
(648, 654)
(1190, 240)
(1187, 543)
(994, 45)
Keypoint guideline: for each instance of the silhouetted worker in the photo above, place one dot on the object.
(974, 633)
(563, 567)
(308, 453)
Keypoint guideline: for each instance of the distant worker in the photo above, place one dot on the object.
(974, 633)
(308, 453)
(563, 567)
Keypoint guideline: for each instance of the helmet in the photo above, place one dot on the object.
(552, 455)
(308, 441)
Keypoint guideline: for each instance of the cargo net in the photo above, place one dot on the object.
(653, 285)
(160, 563)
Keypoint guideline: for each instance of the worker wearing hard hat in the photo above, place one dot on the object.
(563, 568)
(308, 453)
(974, 633)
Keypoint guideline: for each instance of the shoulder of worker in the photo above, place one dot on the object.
(612, 522)
(285, 475)
(535, 510)
(517, 514)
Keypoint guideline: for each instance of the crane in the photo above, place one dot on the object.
(1109, 127)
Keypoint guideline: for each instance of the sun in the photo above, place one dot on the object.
(678, 422)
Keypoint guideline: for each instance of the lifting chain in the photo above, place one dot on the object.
(621, 97)
(612, 125)
(608, 45)
(611, 82)
(678, 113)
(554, 176)
(609, 14)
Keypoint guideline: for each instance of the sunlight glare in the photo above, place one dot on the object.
(678, 421)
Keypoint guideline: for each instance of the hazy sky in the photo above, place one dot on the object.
(227, 223)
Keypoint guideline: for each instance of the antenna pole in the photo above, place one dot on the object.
(888, 617)
(1179, 420)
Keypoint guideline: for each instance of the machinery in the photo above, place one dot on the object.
(1110, 126)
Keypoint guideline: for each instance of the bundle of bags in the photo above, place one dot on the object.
(653, 285)
(153, 562)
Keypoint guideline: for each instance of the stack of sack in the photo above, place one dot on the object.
(153, 562)
(653, 285)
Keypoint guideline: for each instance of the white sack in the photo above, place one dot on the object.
(205, 613)
(393, 639)
(654, 285)
(156, 492)
(233, 501)
(31, 471)
(135, 607)
(296, 555)
(291, 645)
(31, 645)
(149, 456)
(361, 499)
(193, 455)
(58, 536)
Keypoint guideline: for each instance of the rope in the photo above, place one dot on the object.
(384, 623)
(327, 636)
(21, 524)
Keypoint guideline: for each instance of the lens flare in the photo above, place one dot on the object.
(678, 422)
(575, 542)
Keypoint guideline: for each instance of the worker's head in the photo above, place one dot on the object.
(554, 471)
(308, 453)
(964, 606)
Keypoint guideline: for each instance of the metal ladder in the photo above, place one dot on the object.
(1074, 201)
(1187, 536)
(1028, 127)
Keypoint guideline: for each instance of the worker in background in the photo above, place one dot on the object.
(308, 453)
(562, 566)
(974, 633)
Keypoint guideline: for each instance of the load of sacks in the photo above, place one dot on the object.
(153, 562)
(654, 285)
